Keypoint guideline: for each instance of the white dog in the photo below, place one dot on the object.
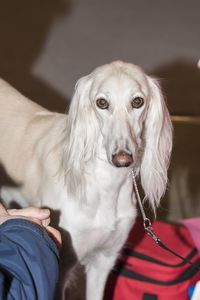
(81, 163)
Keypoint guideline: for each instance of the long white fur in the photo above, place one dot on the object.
(65, 162)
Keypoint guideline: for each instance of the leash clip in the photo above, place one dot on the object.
(149, 230)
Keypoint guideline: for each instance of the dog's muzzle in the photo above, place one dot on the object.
(122, 159)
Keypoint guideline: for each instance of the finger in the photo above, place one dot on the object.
(55, 234)
(46, 222)
(30, 219)
(33, 212)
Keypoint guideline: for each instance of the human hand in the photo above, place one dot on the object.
(36, 215)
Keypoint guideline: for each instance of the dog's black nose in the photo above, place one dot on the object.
(122, 159)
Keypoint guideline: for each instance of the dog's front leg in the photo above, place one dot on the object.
(97, 272)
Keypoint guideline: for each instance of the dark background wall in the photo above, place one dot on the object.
(45, 46)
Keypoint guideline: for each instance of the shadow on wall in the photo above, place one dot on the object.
(181, 85)
(24, 25)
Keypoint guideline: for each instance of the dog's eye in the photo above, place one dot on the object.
(137, 102)
(102, 103)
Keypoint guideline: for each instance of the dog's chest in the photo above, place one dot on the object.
(101, 221)
(95, 237)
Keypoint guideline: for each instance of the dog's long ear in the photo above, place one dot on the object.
(157, 146)
(82, 122)
(82, 131)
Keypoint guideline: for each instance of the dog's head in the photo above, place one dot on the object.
(120, 109)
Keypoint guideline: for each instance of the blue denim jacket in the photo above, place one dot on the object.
(28, 262)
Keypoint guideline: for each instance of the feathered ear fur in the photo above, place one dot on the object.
(157, 146)
(81, 137)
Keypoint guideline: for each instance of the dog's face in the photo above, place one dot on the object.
(120, 98)
(121, 104)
